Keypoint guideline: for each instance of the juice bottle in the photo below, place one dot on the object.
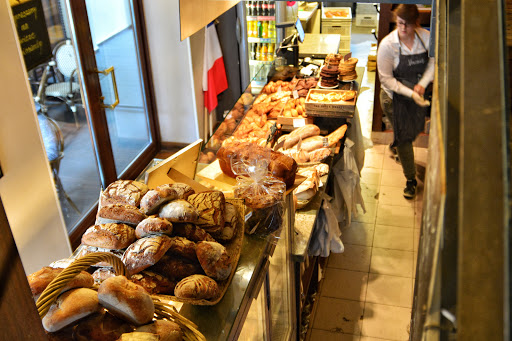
(264, 29)
(258, 51)
(259, 29)
(264, 52)
(270, 55)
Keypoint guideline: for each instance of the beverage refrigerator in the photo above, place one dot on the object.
(260, 36)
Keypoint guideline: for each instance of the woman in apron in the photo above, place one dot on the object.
(405, 70)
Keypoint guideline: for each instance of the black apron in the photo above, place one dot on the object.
(408, 117)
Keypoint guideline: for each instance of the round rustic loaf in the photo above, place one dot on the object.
(153, 225)
(128, 192)
(196, 287)
(167, 330)
(211, 206)
(119, 213)
(214, 260)
(145, 252)
(154, 198)
(109, 236)
(153, 283)
(179, 211)
(126, 300)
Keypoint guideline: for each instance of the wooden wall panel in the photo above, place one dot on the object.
(194, 15)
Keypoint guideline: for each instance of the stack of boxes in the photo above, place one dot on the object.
(371, 65)
(338, 20)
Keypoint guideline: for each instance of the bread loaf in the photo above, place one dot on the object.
(139, 336)
(280, 166)
(191, 232)
(179, 211)
(109, 236)
(197, 287)
(119, 213)
(153, 283)
(214, 260)
(167, 330)
(211, 206)
(319, 154)
(153, 199)
(182, 247)
(153, 225)
(337, 135)
(85, 250)
(101, 326)
(145, 252)
(314, 142)
(70, 307)
(300, 133)
(39, 280)
(230, 222)
(102, 274)
(128, 192)
(126, 300)
(176, 267)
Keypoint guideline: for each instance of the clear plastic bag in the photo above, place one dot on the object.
(326, 236)
(347, 188)
(263, 195)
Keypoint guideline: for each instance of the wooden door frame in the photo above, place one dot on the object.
(79, 25)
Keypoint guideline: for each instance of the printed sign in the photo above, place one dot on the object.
(32, 31)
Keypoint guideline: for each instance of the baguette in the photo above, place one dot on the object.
(312, 143)
(300, 133)
(337, 135)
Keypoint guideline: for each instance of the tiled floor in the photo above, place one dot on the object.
(367, 291)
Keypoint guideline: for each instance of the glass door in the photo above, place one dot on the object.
(115, 50)
(111, 56)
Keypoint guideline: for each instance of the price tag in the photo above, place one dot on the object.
(295, 94)
(325, 141)
(299, 122)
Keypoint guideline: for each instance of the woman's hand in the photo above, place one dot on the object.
(419, 89)
(420, 100)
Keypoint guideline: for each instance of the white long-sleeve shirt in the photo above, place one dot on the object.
(388, 57)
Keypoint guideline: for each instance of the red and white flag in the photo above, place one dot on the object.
(214, 72)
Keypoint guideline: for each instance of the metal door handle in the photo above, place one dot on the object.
(105, 72)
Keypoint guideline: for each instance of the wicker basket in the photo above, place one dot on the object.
(162, 310)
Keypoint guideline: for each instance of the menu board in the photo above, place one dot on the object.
(32, 31)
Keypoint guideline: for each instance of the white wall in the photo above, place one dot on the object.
(26, 189)
(173, 76)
